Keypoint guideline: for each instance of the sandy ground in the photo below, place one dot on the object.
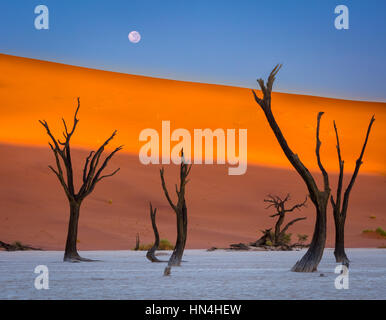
(222, 209)
(205, 275)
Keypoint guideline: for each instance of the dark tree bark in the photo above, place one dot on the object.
(181, 213)
(16, 246)
(136, 248)
(262, 241)
(319, 198)
(91, 176)
(339, 209)
(151, 252)
(279, 204)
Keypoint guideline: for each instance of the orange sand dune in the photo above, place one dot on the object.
(32, 90)
(222, 209)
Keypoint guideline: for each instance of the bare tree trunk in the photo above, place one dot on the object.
(310, 261)
(71, 253)
(277, 229)
(181, 214)
(262, 241)
(339, 252)
(182, 221)
(151, 252)
(279, 204)
(136, 242)
(339, 208)
(318, 197)
(91, 176)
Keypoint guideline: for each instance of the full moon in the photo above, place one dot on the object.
(134, 36)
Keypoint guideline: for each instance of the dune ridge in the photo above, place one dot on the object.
(32, 89)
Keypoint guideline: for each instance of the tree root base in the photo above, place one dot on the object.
(77, 258)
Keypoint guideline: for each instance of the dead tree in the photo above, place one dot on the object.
(91, 176)
(267, 236)
(137, 242)
(339, 208)
(279, 204)
(151, 252)
(181, 212)
(319, 198)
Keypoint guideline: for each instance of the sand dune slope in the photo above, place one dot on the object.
(222, 209)
(33, 89)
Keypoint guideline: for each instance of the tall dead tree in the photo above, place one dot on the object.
(339, 208)
(319, 198)
(181, 213)
(279, 204)
(91, 176)
(151, 252)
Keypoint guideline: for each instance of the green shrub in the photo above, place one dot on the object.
(367, 231)
(302, 237)
(144, 247)
(268, 243)
(164, 244)
(381, 232)
(287, 238)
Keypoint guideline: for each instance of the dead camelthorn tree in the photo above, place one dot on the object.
(279, 204)
(137, 242)
(151, 252)
(319, 198)
(91, 176)
(339, 208)
(181, 213)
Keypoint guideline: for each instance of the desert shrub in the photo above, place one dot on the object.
(164, 244)
(381, 232)
(372, 217)
(302, 237)
(17, 244)
(268, 243)
(367, 231)
(144, 247)
(287, 238)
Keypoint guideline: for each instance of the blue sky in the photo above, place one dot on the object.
(225, 42)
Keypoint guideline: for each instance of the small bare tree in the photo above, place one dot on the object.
(137, 242)
(151, 252)
(181, 213)
(339, 208)
(91, 176)
(279, 204)
(319, 198)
